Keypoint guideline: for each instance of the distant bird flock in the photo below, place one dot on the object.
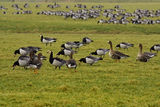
(115, 15)
(29, 59)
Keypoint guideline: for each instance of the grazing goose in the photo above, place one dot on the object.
(71, 63)
(55, 61)
(90, 60)
(35, 64)
(144, 57)
(86, 40)
(100, 52)
(116, 54)
(35, 49)
(26, 50)
(68, 45)
(77, 44)
(35, 57)
(124, 45)
(22, 61)
(155, 47)
(66, 52)
(22, 51)
(47, 40)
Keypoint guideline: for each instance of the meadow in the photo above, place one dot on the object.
(127, 83)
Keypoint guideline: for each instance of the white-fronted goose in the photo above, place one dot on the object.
(90, 60)
(55, 61)
(71, 63)
(144, 57)
(116, 54)
(47, 40)
(35, 64)
(124, 45)
(155, 47)
(100, 52)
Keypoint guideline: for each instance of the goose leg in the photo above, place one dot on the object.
(55, 67)
(59, 67)
(36, 71)
(50, 44)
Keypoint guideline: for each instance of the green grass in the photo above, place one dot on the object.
(106, 83)
(53, 24)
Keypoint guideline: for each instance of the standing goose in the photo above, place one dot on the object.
(47, 40)
(90, 60)
(100, 52)
(66, 52)
(22, 61)
(116, 54)
(71, 63)
(144, 57)
(124, 45)
(55, 61)
(86, 40)
(155, 47)
(35, 64)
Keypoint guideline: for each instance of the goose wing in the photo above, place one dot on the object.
(122, 55)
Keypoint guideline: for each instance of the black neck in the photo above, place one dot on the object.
(51, 58)
(41, 38)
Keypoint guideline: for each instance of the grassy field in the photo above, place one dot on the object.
(107, 83)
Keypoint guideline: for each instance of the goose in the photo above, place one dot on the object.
(90, 60)
(100, 52)
(68, 45)
(71, 63)
(47, 40)
(124, 45)
(35, 64)
(26, 50)
(144, 57)
(55, 61)
(34, 57)
(86, 40)
(155, 47)
(116, 54)
(66, 52)
(22, 51)
(77, 44)
(22, 61)
(35, 49)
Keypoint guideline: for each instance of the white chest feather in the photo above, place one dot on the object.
(100, 52)
(56, 63)
(23, 52)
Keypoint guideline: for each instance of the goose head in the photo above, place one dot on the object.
(15, 64)
(16, 52)
(152, 48)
